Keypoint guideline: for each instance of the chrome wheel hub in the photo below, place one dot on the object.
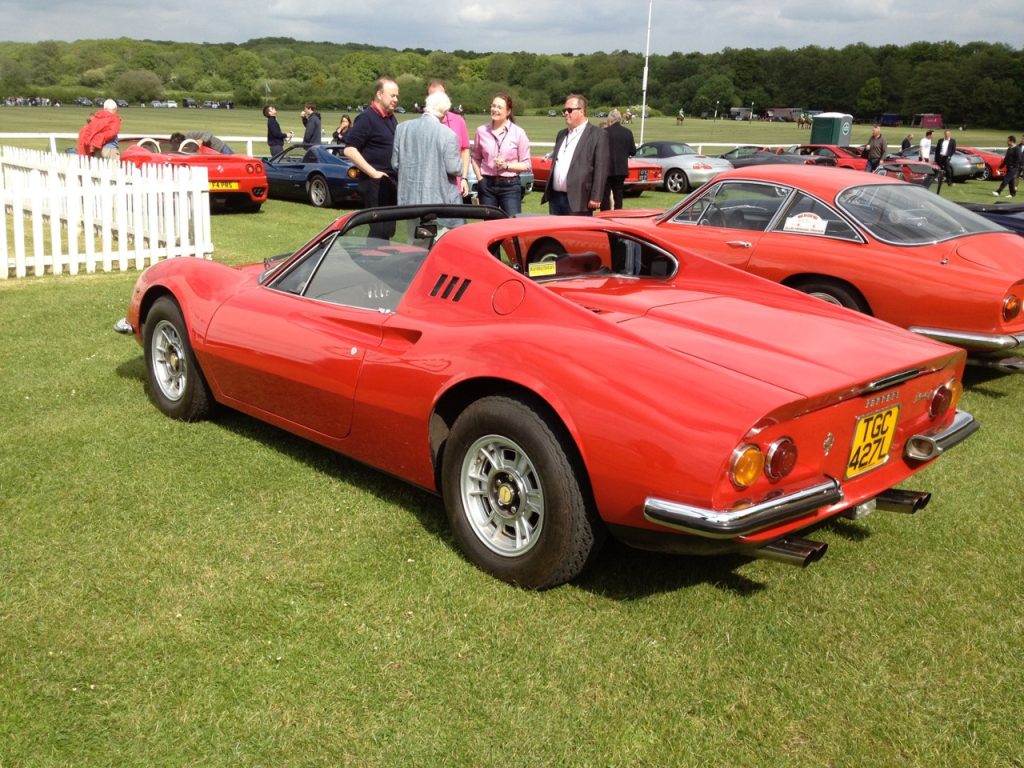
(502, 496)
(170, 368)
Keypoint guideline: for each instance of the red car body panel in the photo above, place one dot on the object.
(845, 157)
(656, 381)
(993, 161)
(957, 285)
(239, 179)
(642, 176)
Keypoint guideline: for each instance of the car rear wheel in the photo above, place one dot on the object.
(319, 193)
(176, 384)
(676, 182)
(837, 293)
(514, 496)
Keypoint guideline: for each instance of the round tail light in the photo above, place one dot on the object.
(746, 466)
(1011, 307)
(945, 397)
(781, 458)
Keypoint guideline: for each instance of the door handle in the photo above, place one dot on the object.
(738, 243)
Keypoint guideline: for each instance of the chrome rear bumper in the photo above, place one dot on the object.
(978, 342)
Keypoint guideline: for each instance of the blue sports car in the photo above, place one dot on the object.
(320, 175)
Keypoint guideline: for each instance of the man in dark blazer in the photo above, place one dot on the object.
(945, 148)
(621, 147)
(579, 167)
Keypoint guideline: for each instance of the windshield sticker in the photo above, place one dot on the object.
(542, 269)
(807, 222)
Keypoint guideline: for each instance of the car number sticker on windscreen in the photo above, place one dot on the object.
(872, 441)
(808, 222)
(223, 185)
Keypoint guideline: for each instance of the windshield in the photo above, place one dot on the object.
(907, 214)
(371, 262)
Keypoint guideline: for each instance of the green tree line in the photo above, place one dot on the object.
(976, 83)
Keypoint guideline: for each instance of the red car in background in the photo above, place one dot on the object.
(845, 157)
(992, 160)
(863, 241)
(237, 182)
(641, 175)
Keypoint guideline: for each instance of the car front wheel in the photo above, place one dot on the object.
(676, 182)
(514, 496)
(176, 384)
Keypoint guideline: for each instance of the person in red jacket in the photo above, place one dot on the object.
(99, 136)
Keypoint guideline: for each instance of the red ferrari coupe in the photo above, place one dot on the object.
(236, 181)
(616, 383)
(863, 241)
(641, 176)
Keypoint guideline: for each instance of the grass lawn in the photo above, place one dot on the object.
(224, 593)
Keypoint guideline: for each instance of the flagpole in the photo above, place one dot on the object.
(647, 56)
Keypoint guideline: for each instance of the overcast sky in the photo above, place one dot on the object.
(538, 26)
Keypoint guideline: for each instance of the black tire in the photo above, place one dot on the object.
(318, 192)
(836, 293)
(676, 182)
(515, 500)
(546, 249)
(176, 384)
(986, 175)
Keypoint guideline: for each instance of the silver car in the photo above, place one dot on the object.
(965, 165)
(683, 168)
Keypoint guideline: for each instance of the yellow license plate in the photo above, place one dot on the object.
(872, 441)
(223, 185)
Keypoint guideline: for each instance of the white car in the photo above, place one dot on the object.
(683, 168)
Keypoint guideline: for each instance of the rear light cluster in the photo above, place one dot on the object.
(945, 398)
(701, 166)
(251, 168)
(749, 462)
(1011, 307)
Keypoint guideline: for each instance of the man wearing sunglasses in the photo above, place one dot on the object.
(579, 167)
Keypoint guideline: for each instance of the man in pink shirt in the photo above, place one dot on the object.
(457, 123)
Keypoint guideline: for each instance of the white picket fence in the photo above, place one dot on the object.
(65, 212)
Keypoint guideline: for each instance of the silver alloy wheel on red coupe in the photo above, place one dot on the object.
(502, 495)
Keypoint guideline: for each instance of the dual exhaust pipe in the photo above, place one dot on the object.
(801, 552)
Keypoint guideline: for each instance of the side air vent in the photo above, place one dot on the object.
(450, 287)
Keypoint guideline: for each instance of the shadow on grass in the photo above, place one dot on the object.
(977, 376)
(619, 572)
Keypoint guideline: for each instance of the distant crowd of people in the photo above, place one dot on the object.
(430, 160)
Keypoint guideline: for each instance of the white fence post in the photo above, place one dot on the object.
(119, 215)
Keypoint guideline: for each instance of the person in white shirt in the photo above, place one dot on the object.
(925, 147)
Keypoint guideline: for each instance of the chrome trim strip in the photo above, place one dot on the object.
(928, 445)
(893, 380)
(722, 524)
(986, 342)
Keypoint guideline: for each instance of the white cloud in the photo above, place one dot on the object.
(540, 26)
